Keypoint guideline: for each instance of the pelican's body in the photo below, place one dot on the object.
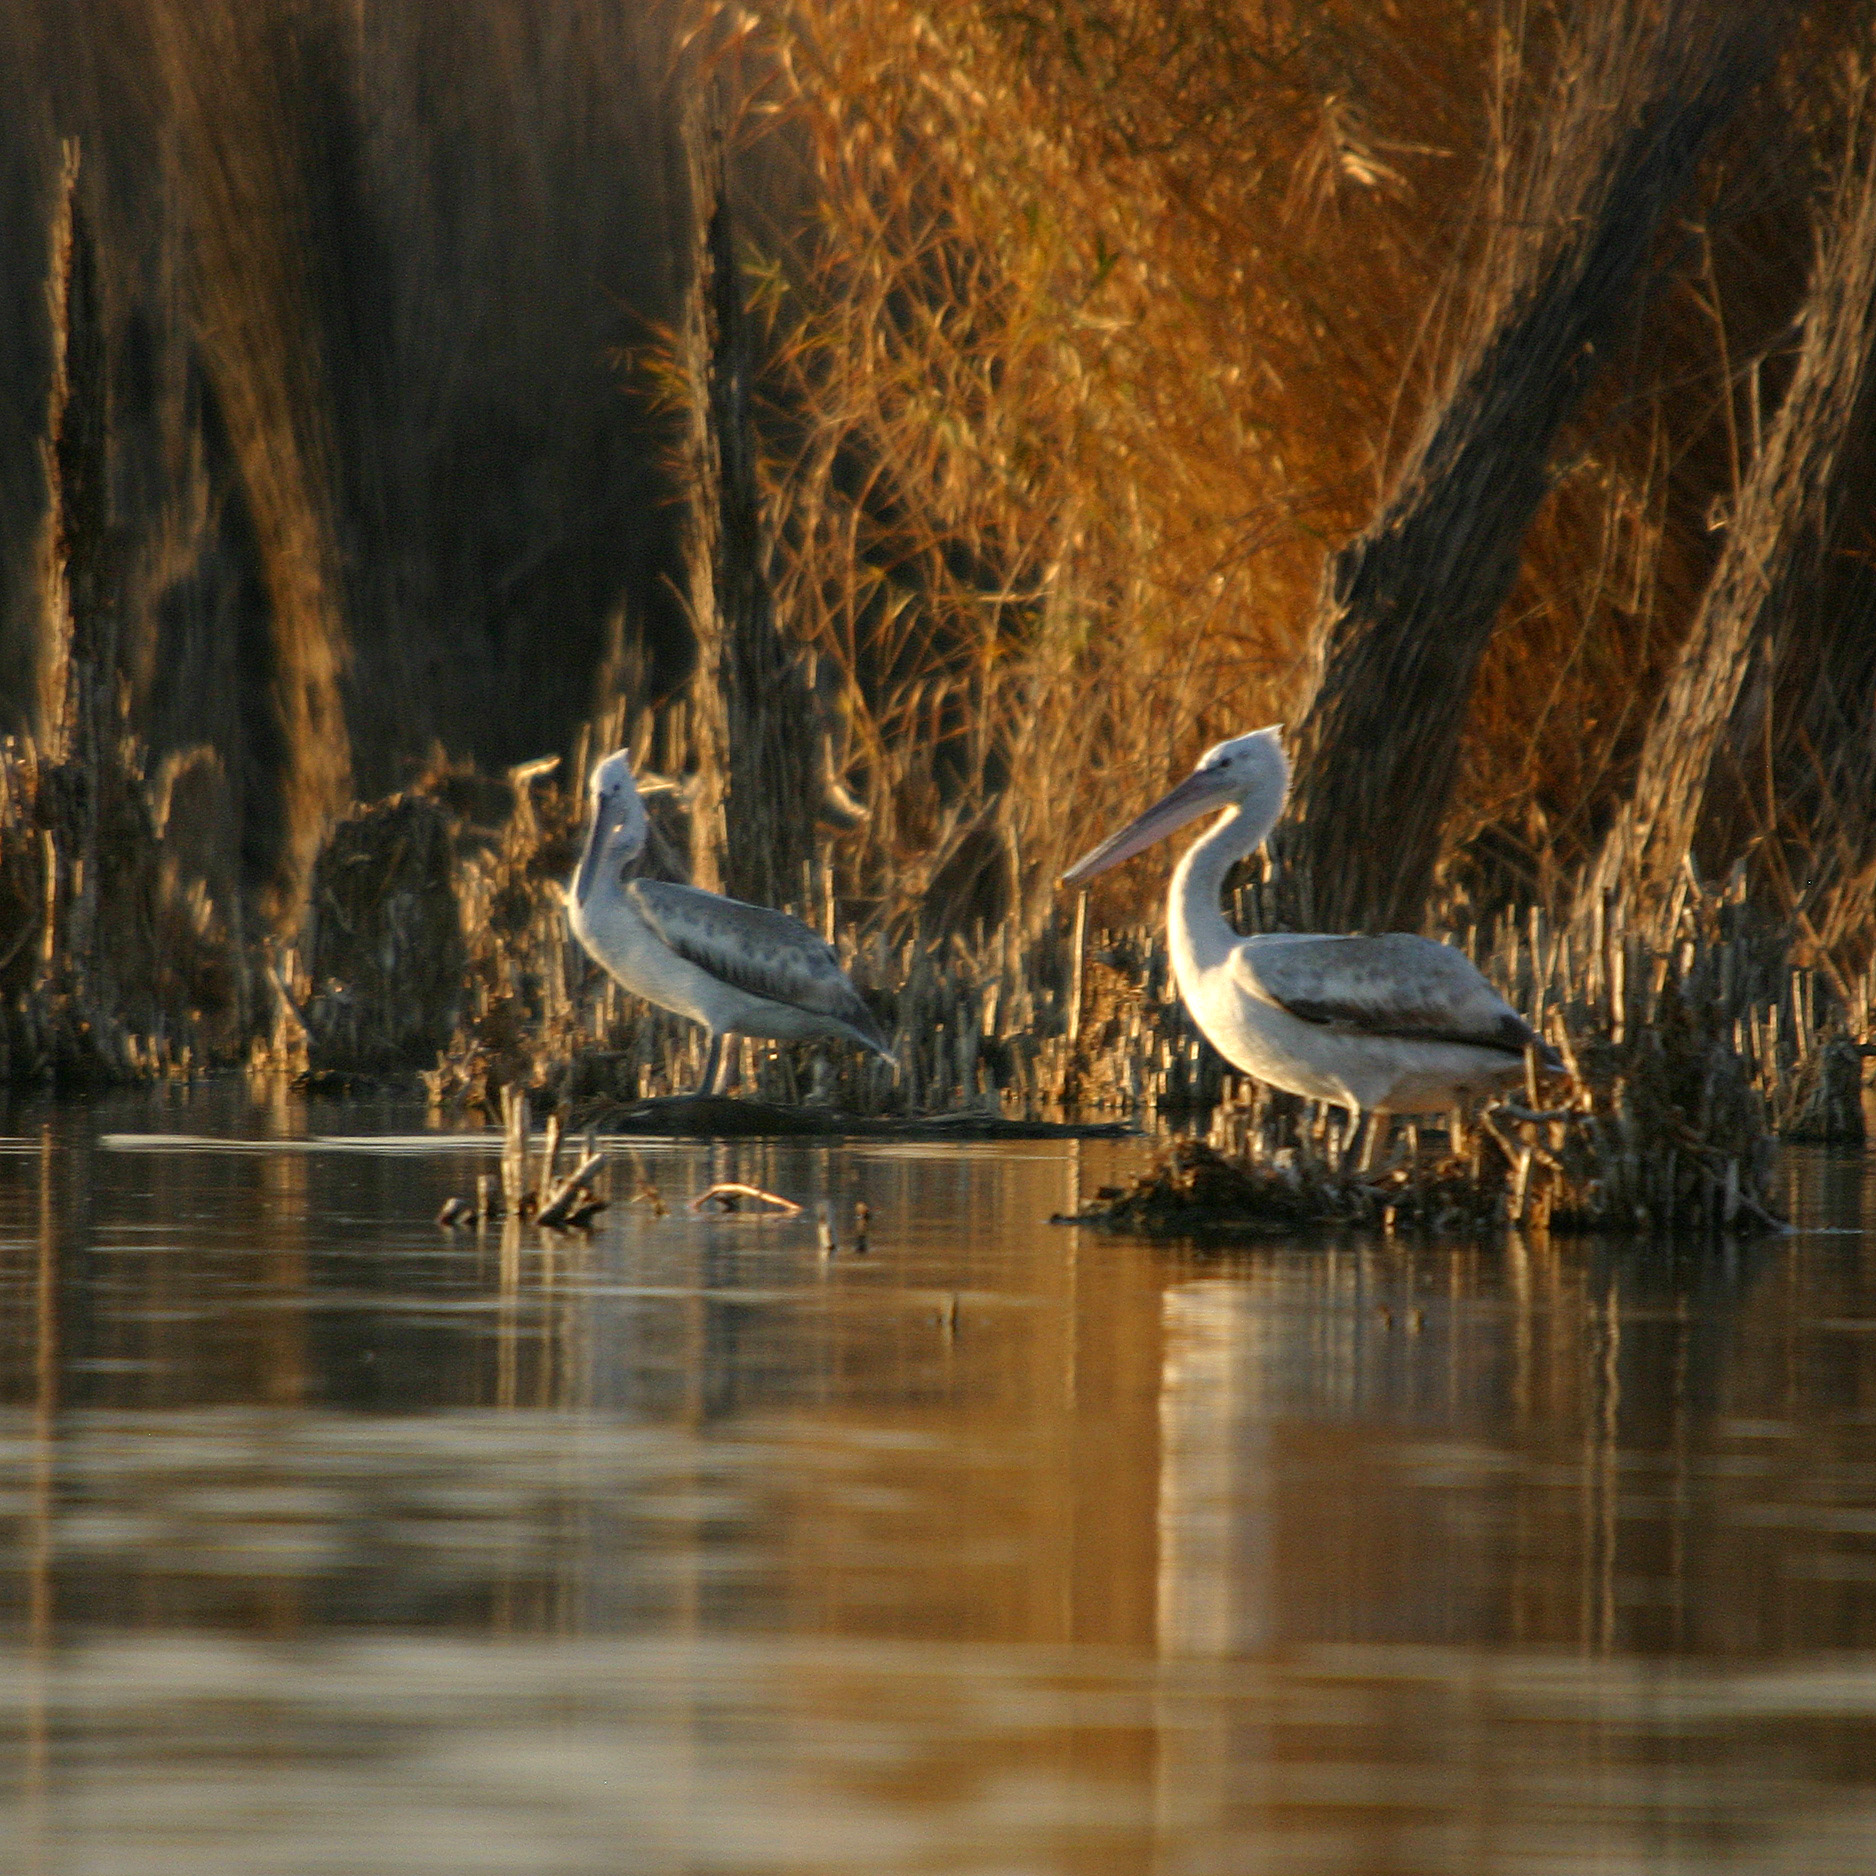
(737, 969)
(1388, 1024)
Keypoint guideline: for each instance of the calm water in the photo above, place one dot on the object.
(331, 1543)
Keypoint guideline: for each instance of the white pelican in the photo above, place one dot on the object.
(737, 969)
(1380, 1025)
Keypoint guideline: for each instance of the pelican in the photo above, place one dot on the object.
(737, 969)
(1379, 1025)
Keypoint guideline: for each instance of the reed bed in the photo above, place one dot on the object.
(1088, 327)
(119, 959)
(439, 916)
(1079, 333)
(1685, 1064)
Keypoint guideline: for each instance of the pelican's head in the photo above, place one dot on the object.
(617, 827)
(1246, 772)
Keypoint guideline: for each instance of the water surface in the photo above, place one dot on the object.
(331, 1542)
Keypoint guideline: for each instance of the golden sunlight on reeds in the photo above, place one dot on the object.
(1071, 386)
(915, 435)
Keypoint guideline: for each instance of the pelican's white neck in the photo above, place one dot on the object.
(615, 851)
(1200, 934)
(615, 834)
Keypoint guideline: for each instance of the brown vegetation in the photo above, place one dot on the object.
(1784, 581)
(374, 481)
(1409, 606)
(915, 436)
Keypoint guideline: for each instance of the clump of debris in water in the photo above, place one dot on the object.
(1661, 1134)
(1194, 1191)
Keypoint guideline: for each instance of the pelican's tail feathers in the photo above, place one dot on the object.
(866, 1030)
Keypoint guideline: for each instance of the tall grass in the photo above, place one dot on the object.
(1047, 486)
(1095, 327)
(1091, 327)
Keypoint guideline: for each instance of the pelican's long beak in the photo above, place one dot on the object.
(1198, 792)
(608, 818)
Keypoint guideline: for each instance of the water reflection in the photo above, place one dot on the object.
(332, 1543)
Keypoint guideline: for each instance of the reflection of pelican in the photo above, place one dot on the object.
(737, 969)
(1380, 1025)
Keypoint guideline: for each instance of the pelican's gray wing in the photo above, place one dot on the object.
(1390, 984)
(764, 952)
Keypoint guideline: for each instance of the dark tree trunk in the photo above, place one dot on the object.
(77, 709)
(1409, 606)
(753, 719)
(1773, 622)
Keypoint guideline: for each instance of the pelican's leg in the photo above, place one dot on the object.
(1345, 1156)
(713, 1063)
(1380, 1125)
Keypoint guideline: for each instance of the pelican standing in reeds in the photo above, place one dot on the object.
(1379, 1025)
(737, 969)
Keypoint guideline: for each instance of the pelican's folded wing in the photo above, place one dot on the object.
(764, 952)
(1390, 984)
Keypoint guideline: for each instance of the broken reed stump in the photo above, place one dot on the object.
(1823, 1100)
(515, 1121)
(827, 1229)
(554, 1203)
(571, 1203)
(732, 1195)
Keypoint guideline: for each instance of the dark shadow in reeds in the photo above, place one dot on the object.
(375, 482)
(117, 956)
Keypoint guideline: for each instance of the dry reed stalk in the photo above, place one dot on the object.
(515, 1117)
